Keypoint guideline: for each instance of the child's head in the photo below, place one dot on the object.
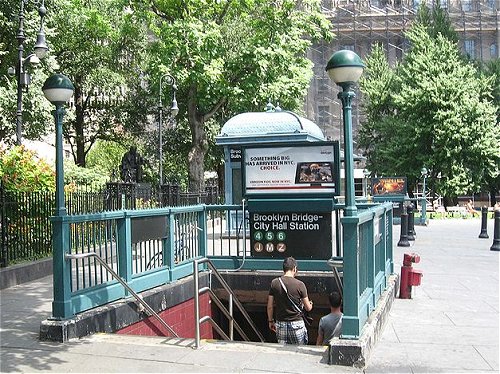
(335, 299)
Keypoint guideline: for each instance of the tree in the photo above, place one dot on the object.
(436, 21)
(99, 46)
(438, 114)
(230, 57)
(492, 70)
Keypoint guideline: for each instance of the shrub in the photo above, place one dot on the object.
(21, 170)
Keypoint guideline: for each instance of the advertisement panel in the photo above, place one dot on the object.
(301, 235)
(388, 186)
(293, 169)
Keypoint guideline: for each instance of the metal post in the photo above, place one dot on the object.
(231, 320)
(61, 306)
(411, 222)
(160, 137)
(196, 305)
(20, 75)
(484, 223)
(496, 232)
(424, 204)
(23, 78)
(346, 96)
(4, 258)
(403, 238)
(60, 206)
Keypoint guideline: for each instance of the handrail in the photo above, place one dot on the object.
(79, 256)
(228, 314)
(335, 263)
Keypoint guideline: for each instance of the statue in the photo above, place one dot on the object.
(131, 171)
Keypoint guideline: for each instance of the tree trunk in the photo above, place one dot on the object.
(199, 143)
(220, 178)
(196, 157)
(79, 124)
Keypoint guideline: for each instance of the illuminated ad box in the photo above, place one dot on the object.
(388, 186)
(301, 169)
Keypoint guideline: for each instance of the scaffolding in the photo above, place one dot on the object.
(359, 24)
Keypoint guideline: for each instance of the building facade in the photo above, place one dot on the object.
(359, 24)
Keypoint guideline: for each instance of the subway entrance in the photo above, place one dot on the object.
(252, 289)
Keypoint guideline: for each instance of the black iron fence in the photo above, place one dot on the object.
(26, 231)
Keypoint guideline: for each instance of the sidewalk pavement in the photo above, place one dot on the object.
(451, 324)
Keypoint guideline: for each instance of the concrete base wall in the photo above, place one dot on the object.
(350, 352)
(120, 314)
(17, 274)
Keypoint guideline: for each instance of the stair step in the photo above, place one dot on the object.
(207, 344)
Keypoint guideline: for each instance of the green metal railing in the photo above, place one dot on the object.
(25, 228)
(151, 247)
(368, 262)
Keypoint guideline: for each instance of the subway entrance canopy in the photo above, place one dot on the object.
(258, 128)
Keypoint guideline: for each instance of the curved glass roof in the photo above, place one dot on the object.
(267, 123)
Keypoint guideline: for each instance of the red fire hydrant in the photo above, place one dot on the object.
(409, 276)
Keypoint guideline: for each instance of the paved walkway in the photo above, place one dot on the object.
(450, 325)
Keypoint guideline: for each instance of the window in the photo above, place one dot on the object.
(323, 85)
(493, 51)
(349, 47)
(467, 5)
(470, 48)
(358, 187)
(323, 114)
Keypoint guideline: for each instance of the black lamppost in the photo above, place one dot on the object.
(23, 78)
(173, 111)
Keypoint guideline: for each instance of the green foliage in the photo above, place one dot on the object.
(89, 179)
(438, 113)
(436, 21)
(99, 45)
(230, 57)
(106, 156)
(492, 69)
(22, 171)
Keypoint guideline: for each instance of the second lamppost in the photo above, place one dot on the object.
(423, 219)
(23, 78)
(173, 111)
(345, 68)
(366, 174)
